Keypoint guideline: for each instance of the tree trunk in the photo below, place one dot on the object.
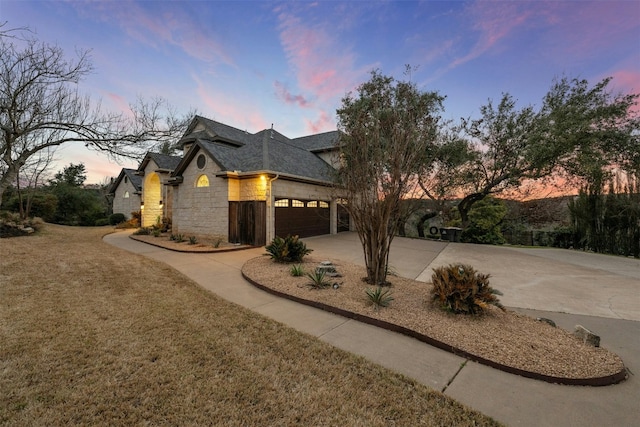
(465, 206)
(422, 220)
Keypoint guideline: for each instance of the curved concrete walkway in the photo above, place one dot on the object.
(599, 292)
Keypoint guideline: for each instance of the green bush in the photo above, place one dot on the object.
(193, 240)
(102, 222)
(484, 222)
(144, 231)
(116, 218)
(460, 289)
(289, 249)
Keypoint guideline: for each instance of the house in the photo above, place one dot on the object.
(126, 192)
(244, 187)
(157, 198)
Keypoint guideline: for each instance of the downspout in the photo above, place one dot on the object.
(272, 210)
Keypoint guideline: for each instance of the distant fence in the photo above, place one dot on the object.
(557, 239)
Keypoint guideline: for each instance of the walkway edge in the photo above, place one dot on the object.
(595, 382)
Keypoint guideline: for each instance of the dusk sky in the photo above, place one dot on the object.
(252, 63)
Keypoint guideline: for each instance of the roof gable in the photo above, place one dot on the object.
(164, 162)
(133, 178)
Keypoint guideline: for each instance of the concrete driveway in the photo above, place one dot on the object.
(547, 279)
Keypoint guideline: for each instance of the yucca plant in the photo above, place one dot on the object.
(318, 280)
(296, 270)
(460, 288)
(379, 297)
(193, 240)
(177, 238)
(289, 249)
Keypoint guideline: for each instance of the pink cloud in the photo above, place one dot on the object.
(120, 103)
(173, 28)
(324, 123)
(231, 110)
(283, 93)
(627, 82)
(493, 21)
(323, 67)
(596, 26)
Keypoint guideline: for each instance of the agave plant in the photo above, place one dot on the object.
(296, 270)
(379, 297)
(318, 280)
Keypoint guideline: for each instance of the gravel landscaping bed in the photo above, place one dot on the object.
(506, 338)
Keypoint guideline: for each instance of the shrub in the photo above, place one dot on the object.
(103, 221)
(296, 270)
(155, 232)
(379, 297)
(317, 280)
(193, 240)
(144, 231)
(11, 225)
(116, 218)
(179, 238)
(289, 249)
(460, 289)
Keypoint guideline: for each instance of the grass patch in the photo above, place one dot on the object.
(92, 335)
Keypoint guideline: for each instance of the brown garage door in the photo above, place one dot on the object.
(303, 218)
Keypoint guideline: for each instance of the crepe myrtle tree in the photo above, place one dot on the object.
(579, 131)
(41, 108)
(387, 130)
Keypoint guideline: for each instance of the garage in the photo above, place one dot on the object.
(304, 218)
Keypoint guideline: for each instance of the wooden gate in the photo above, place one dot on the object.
(247, 223)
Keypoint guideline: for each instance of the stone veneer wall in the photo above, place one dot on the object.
(126, 205)
(201, 211)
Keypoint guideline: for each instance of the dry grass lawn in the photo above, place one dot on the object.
(93, 335)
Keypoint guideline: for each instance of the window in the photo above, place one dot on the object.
(126, 179)
(282, 203)
(202, 181)
(312, 204)
(125, 195)
(201, 161)
(297, 204)
(324, 204)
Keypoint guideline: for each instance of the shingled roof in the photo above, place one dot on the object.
(135, 180)
(236, 150)
(164, 162)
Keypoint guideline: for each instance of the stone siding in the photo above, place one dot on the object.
(201, 211)
(126, 205)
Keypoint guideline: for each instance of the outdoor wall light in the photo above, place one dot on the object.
(160, 202)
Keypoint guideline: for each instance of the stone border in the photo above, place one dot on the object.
(595, 382)
(192, 250)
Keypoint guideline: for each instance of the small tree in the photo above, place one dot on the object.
(41, 108)
(387, 132)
